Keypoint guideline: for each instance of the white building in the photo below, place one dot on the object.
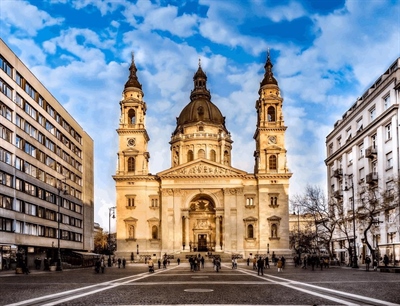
(363, 153)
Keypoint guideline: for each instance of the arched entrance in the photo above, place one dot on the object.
(202, 224)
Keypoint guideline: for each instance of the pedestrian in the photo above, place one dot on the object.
(273, 257)
(305, 259)
(385, 260)
(202, 262)
(25, 268)
(295, 261)
(260, 266)
(283, 262)
(313, 261)
(234, 263)
(179, 261)
(367, 263)
(248, 261)
(375, 264)
(159, 263)
(279, 265)
(267, 262)
(165, 263)
(123, 262)
(97, 265)
(102, 265)
(119, 262)
(255, 263)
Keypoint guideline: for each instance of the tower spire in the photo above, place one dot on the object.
(133, 79)
(268, 75)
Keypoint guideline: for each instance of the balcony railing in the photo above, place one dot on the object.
(338, 172)
(338, 194)
(371, 178)
(371, 152)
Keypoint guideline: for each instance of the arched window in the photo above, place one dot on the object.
(272, 162)
(201, 153)
(131, 164)
(132, 116)
(250, 231)
(154, 232)
(271, 114)
(274, 201)
(213, 156)
(189, 155)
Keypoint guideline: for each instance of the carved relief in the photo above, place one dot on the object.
(202, 169)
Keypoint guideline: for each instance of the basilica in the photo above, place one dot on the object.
(202, 203)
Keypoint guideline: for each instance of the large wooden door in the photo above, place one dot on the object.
(202, 243)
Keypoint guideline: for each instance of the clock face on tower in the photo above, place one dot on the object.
(131, 142)
(272, 139)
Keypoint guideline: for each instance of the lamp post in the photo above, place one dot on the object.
(59, 188)
(111, 212)
(355, 264)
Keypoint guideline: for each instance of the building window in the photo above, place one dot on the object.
(271, 114)
(359, 125)
(154, 202)
(350, 158)
(272, 162)
(213, 156)
(372, 114)
(249, 201)
(330, 149)
(189, 155)
(131, 164)
(361, 149)
(154, 232)
(5, 111)
(339, 142)
(348, 134)
(386, 102)
(4, 65)
(6, 89)
(130, 201)
(388, 131)
(5, 156)
(250, 231)
(273, 201)
(389, 160)
(373, 141)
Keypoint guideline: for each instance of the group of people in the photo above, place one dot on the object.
(196, 262)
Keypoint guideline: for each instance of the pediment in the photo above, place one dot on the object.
(130, 151)
(202, 167)
(274, 218)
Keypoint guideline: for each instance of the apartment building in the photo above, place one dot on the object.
(363, 155)
(46, 170)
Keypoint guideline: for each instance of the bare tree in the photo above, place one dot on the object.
(315, 204)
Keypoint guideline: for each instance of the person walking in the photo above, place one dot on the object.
(283, 262)
(367, 263)
(178, 261)
(255, 263)
(119, 262)
(102, 265)
(386, 260)
(267, 262)
(375, 264)
(123, 262)
(305, 258)
(260, 266)
(279, 265)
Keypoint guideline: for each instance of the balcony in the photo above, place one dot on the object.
(338, 172)
(338, 194)
(371, 178)
(370, 152)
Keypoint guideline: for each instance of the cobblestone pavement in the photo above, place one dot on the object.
(175, 285)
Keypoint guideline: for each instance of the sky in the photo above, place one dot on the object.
(325, 55)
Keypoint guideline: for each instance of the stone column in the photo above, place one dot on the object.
(187, 233)
(217, 233)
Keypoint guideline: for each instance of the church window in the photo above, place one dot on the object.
(130, 201)
(190, 155)
(213, 156)
(131, 164)
(154, 232)
(274, 201)
(132, 116)
(250, 231)
(271, 114)
(201, 153)
(272, 162)
(154, 202)
(250, 201)
(201, 128)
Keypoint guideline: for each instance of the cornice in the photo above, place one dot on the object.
(125, 178)
(274, 176)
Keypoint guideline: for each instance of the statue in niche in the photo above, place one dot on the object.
(274, 230)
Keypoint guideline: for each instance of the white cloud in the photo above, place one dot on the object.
(30, 53)
(28, 19)
(104, 6)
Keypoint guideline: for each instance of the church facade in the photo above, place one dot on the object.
(202, 203)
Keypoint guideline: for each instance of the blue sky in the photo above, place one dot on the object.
(325, 55)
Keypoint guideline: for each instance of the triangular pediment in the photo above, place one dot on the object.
(202, 167)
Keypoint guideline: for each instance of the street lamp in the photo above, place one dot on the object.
(59, 188)
(111, 212)
(350, 177)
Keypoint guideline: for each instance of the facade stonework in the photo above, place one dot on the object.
(202, 203)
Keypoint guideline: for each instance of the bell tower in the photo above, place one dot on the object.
(133, 157)
(270, 153)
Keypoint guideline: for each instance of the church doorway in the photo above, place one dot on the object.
(202, 234)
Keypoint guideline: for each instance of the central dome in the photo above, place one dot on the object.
(201, 110)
